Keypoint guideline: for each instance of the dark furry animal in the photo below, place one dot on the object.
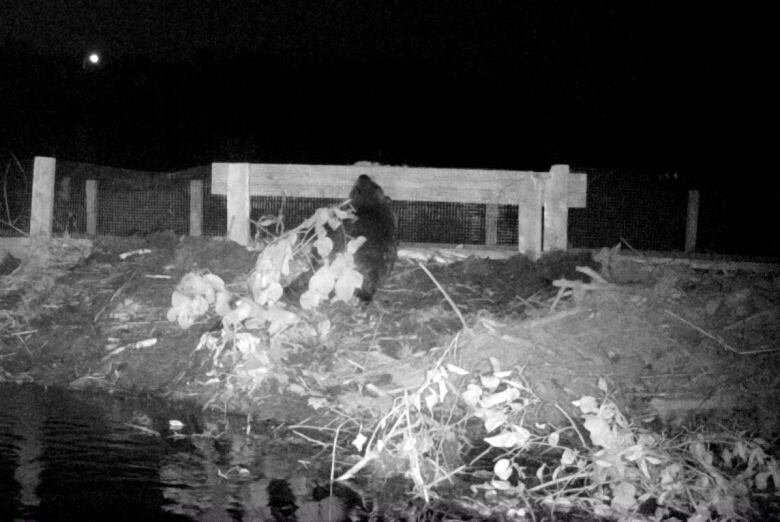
(376, 222)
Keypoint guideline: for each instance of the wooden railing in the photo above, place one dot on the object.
(536, 194)
(542, 198)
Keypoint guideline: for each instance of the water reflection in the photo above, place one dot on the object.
(64, 457)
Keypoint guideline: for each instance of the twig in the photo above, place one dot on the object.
(573, 425)
(333, 455)
(114, 296)
(595, 276)
(752, 318)
(563, 314)
(623, 240)
(310, 439)
(446, 296)
(705, 333)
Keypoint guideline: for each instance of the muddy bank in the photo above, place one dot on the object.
(668, 345)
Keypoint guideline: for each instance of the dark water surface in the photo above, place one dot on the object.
(75, 456)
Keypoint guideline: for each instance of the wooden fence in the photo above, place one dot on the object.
(542, 198)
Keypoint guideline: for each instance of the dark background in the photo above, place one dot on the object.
(678, 89)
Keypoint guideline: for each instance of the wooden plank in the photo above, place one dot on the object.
(91, 190)
(400, 183)
(196, 207)
(238, 203)
(692, 221)
(491, 224)
(529, 216)
(42, 211)
(556, 208)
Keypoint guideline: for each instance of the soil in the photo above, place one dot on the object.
(676, 343)
(666, 337)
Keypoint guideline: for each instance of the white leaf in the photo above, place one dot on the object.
(506, 439)
(624, 496)
(309, 299)
(502, 397)
(456, 370)
(324, 246)
(472, 395)
(501, 485)
(568, 457)
(359, 441)
(431, 400)
(503, 469)
(175, 425)
(346, 285)
(540, 472)
(599, 431)
(494, 419)
(490, 382)
(587, 404)
(355, 244)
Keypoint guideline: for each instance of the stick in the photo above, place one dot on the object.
(446, 296)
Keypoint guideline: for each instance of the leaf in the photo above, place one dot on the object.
(172, 315)
(506, 439)
(503, 469)
(324, 246)
(569, 457)
(322, 281)
(178, 299)
(502, 397)
(215, 281)
(431, 400)
(494, 419)
(472, 395)
(587, 404)
(222, 303)
(540, 472)
(317, 403)
(489, 382)
(501, 485)
(456, 370)
(309, 300)
(175, 425)
(623, 496)
(599, 431)
(279, 319)
(355, 244)
(346, 285)
(443, 390)
(359, 441)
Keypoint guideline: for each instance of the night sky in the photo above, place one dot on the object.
(675, 86)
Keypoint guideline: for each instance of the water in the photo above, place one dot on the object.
(76, 456)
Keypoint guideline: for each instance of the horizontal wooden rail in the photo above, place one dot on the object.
(551, 192)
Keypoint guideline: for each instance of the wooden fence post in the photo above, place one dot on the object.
(91, 190)
(556, 209)
(196, 207)
(42, 210)
(238, 203)
(529, 216)
(692, 221)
